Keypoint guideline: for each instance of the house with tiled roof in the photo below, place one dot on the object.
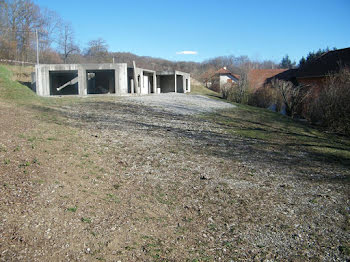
(223, 77)
(314, 73)
(257, 78)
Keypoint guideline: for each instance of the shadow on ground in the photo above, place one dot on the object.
(208, 137)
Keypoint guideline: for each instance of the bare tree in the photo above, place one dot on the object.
(240, 90)
(292, 96)
(19, 19)
(51, 28)
(97, 50)
(66, 43)
(330, 105)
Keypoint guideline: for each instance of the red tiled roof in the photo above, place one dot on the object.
(257, 77)
(224, 71)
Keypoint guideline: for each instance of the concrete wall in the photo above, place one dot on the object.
(43, 76)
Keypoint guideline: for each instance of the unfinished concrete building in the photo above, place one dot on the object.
(116, 79)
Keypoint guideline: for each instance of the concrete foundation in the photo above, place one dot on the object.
(117, 79)
(174, 81)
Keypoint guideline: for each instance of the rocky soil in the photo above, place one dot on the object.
(152, 179)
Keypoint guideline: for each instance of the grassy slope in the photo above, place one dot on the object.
(201, 90)
(277, 132)
(13, 90)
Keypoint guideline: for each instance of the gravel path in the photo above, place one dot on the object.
(181, 103)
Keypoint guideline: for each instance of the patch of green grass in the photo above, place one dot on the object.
(212, 227)
(31, 139)
(25, 164)
(7, 161)
(72, 209)
(112, 198)
(86, 220)
(270, 131)
(13, 90)
(40, 181)
(202, 90)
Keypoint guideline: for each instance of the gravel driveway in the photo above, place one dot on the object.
(181, 103)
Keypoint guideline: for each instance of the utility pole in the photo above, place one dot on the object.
(37, 46)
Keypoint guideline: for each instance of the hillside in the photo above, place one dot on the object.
(119, 179)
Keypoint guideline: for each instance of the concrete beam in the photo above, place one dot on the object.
(71, 82)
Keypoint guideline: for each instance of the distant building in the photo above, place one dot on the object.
(257, 78)
(315, 72)
(223, 77)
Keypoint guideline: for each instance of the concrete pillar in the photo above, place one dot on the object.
(121, 78)
(82, 82)
(184, 84)
(45, 81)
(154, 83)
(132, 87)
(110, 84)
(116, 82)
(175, 82)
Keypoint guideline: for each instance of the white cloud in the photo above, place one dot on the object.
(187, 53)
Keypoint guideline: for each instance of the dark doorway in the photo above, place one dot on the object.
(64, 82)
(100, 81)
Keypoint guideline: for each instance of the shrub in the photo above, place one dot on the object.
(331, 107)
(265, 97)
(236, 92)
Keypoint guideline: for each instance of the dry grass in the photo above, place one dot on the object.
(106, 179)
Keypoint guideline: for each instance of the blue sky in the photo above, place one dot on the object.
(163, 28)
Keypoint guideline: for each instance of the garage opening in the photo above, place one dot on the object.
(147, 87)
(167, 83)
(64, 82)
(100, 81)
(179, 83)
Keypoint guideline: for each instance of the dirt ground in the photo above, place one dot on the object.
(120, 180)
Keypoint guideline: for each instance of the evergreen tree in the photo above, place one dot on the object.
(287, 63)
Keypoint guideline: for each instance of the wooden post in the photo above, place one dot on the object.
(37, 46)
